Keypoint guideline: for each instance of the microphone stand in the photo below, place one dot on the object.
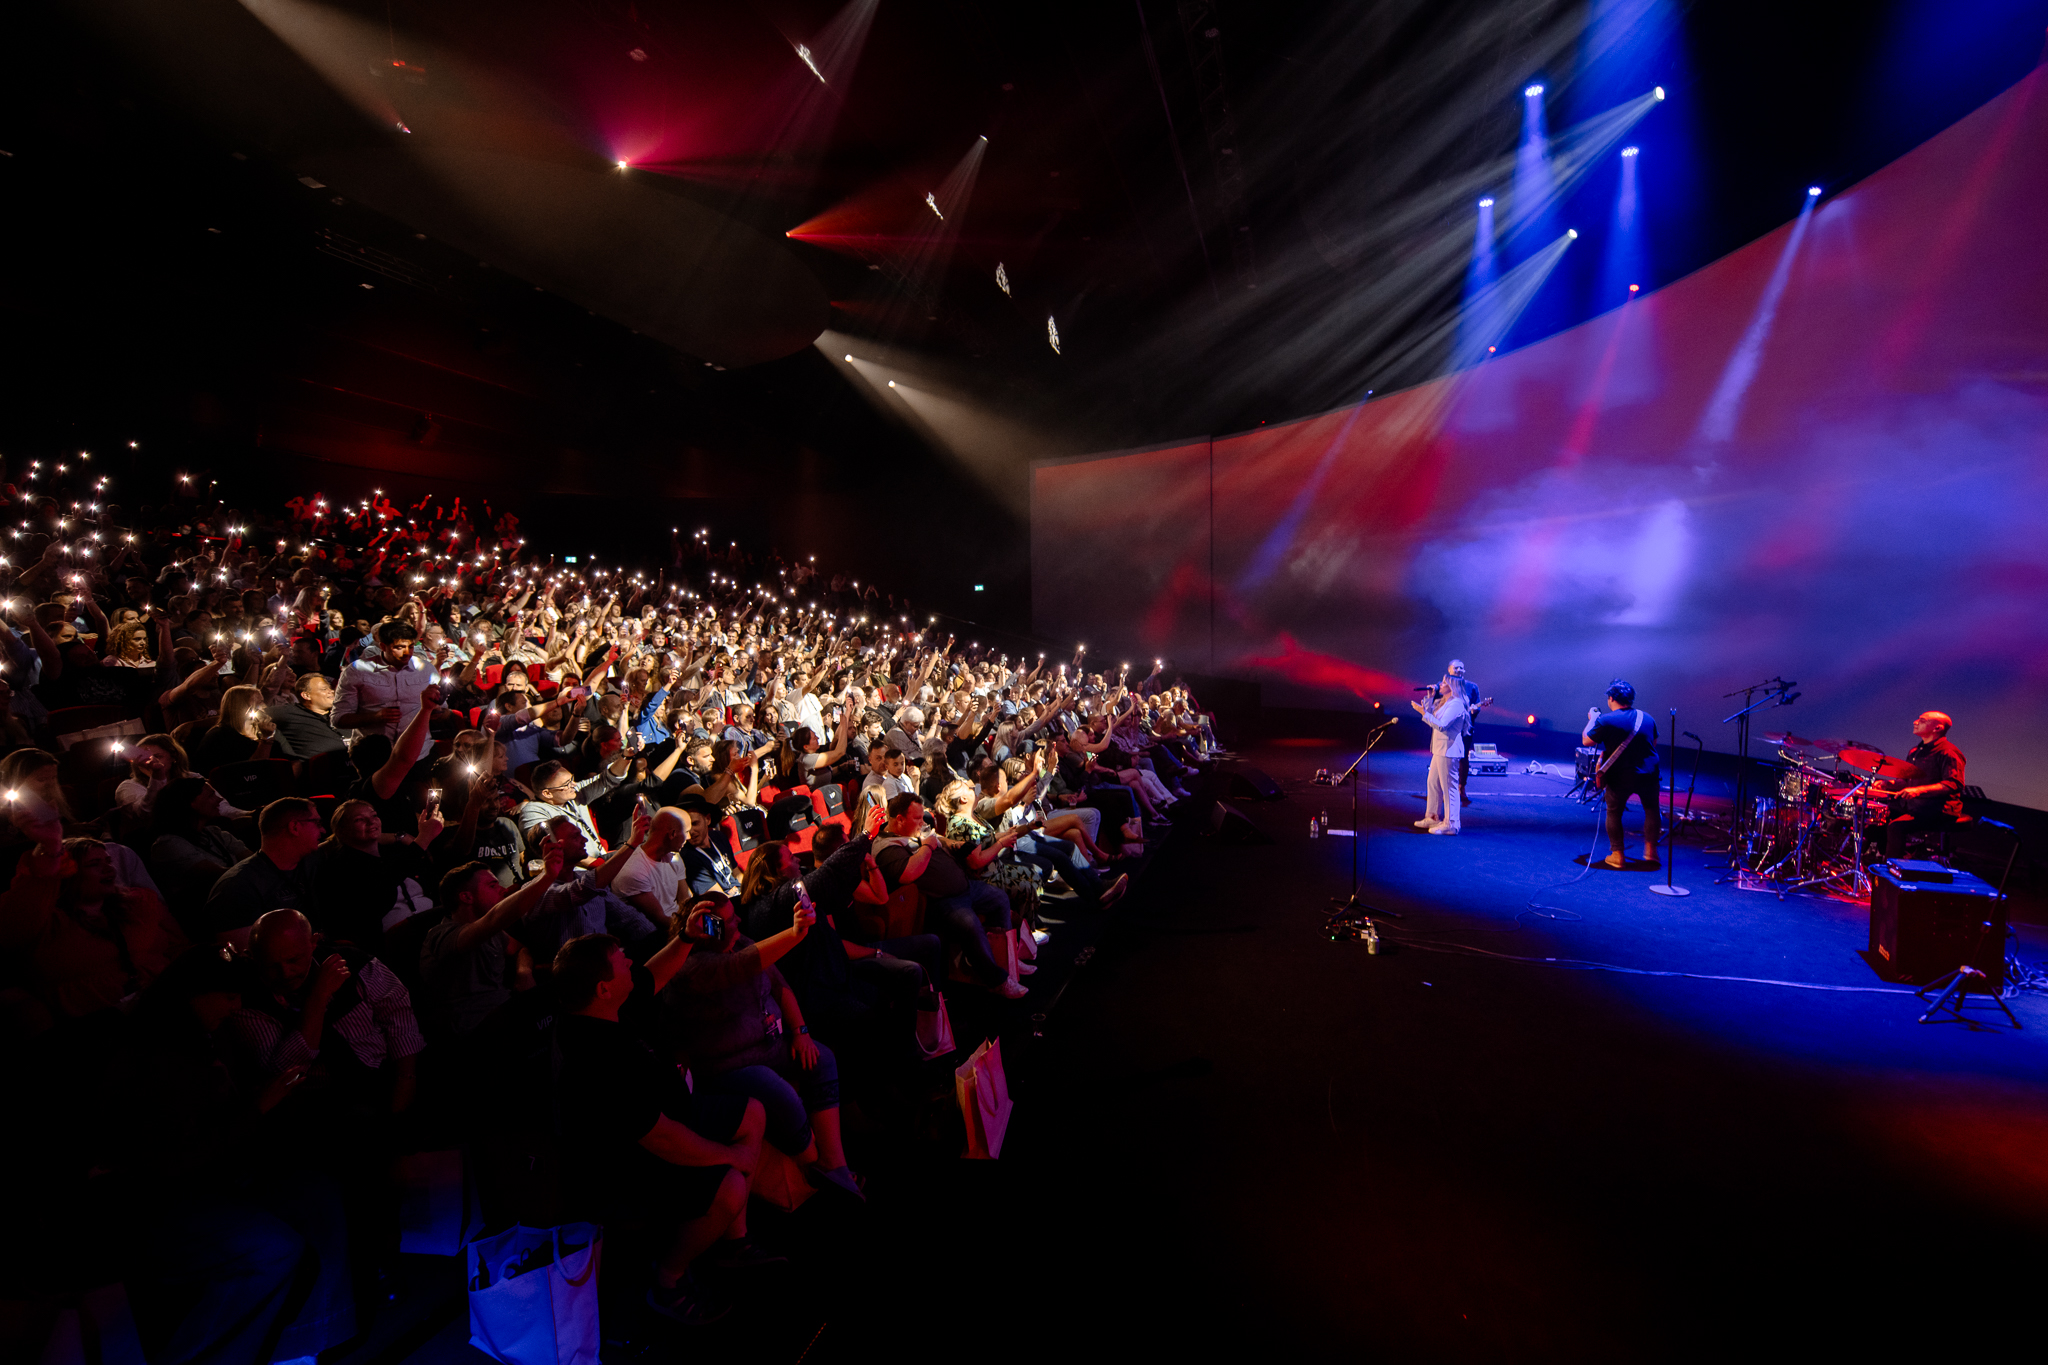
(1774, 690)
(1671, 824)
(1352, 912)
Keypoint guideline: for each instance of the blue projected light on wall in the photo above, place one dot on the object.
(1626, 261)
(1475, 326)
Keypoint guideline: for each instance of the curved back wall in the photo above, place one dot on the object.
(1823, 457)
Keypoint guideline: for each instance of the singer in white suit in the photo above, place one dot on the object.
(1448, 718)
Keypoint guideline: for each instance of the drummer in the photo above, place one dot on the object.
(1932, 796)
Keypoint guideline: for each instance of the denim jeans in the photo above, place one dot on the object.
(250, 1279)
(789, 1092)
(964, 923)
(1057, 855)
(912, 964)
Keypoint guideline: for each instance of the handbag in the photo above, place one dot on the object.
(533, 1295)
(934, 1026)
(984, 1097)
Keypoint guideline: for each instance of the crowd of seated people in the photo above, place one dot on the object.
(319, 828)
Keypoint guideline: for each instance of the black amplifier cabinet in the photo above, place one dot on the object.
(1921, 929)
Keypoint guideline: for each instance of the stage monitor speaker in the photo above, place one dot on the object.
(1245, 783)
(1921, 929)
(1229, 825)
(1215, 819)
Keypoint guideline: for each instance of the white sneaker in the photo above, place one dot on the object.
(1427, 824)
(1443, 829)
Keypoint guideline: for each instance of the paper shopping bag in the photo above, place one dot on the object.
(934, 1026)
(533, 1295)
(984, 1097)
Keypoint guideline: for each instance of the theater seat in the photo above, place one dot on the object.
(898, 917)
(825, 815)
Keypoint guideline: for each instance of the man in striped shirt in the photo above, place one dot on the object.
(307, 1007)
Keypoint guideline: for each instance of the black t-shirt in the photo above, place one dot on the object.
(612, 1090)
(301, 734)
(943, 875)
(1615, 728)
(220, 747)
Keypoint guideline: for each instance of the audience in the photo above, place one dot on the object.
(686, 898)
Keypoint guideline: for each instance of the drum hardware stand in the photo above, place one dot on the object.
(1353, 918)
(1776, 692)
(1670, 826)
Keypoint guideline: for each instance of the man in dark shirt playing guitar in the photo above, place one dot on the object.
(1629, 767)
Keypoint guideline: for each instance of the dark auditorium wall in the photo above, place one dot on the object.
(163, 290)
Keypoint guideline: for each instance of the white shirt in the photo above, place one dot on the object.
(642, 873)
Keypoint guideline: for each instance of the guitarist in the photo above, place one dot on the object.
(1470, 691)
(1628, 766)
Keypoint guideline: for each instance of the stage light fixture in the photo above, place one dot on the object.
(622, 165)
(1632, 288)
(1571, 234)
(1487, 202)
(1813, 191)
(1630, 151)
(892, 383)
(1658, 92)
(849, 355)
(1531, 92)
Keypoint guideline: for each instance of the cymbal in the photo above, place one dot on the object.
(1865, 761)
(1829, 747)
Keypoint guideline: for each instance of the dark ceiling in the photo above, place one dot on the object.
(1222, 205)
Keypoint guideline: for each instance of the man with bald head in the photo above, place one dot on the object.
(345, 1011)
(1932, 797)
(653, 875)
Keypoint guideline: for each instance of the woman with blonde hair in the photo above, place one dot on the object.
(244, 732)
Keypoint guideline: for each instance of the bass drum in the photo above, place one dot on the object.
(1774, 829)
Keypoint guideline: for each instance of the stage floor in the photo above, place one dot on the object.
(1484, 1146)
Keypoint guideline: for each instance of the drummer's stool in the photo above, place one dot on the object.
(1939, 841)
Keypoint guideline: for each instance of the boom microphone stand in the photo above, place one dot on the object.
(1671, 823)
(1351, 911)
(1776, 692)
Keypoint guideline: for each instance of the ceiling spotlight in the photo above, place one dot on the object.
(622, 165)
(1630, 151)
(1658, 92)
(1532, 91)
(1813, 191)
(849, 355)
(1571, 234)
(892, 383)
(1487, 202)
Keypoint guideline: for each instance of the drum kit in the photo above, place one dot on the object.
(1820, 828)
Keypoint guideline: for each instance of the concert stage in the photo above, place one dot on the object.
(1460, 1150)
